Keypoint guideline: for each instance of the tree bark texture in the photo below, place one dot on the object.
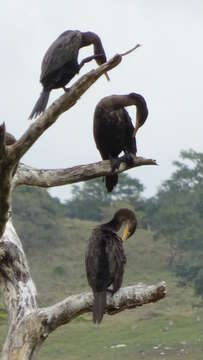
(27, 175)
(29, 325)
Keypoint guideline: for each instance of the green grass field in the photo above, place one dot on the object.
(169, 329)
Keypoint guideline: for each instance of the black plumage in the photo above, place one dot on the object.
(60, 63)
(114, 131)
(105, 258)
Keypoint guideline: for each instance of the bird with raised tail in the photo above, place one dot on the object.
(60, 63)
(105, 258)
(114, 131)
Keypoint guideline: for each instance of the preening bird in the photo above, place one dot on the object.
(105, 258)
(114, 131)
(60, 63)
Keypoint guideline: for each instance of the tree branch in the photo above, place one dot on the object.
(6, 168)
(2, 141)
(27, 175)
(19, 289)
(29, 325)
(131, 50)
(126, 298)
(59, 106)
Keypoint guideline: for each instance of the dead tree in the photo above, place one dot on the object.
(29, 325)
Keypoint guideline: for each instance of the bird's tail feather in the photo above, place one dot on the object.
(99, 306)
(111, 181)
(41, 104)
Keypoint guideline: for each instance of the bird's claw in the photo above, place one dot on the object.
(66, 89)
(115, 163)
(129, 158)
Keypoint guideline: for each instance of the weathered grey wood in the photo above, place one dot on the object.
(27, 175)
(126, 298)
(59, 106)
(10, 156)
(28, 324)
(6, 168)
(18, 288)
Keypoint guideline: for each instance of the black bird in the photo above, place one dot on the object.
(105, 258)
(60, 63)
(114, 131)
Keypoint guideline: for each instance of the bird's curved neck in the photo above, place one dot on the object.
(89, 38)
(113, 225)
(116, 102)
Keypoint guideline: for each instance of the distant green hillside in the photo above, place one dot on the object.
(55, 246)
(169, 327)
(34, 209)
(55, 243)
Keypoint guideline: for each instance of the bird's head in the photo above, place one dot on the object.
(127, 218)
(100, 55)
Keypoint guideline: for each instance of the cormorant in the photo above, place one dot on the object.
(60, 63)
(114, 131)
(105, 258)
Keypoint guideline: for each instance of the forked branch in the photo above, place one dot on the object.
(126, 298)
(61, 105)
(27, 175)
(29, 325)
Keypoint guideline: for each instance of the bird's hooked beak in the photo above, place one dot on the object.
(126, 233)
(137, 126)
(99, 62)
(138, 122)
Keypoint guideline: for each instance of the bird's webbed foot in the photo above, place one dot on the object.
(66, 89)
(129, 158)
(115, 162)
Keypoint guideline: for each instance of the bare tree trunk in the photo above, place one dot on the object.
(30, 325)
(19, 293)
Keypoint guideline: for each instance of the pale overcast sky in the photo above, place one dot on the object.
(167, 71)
